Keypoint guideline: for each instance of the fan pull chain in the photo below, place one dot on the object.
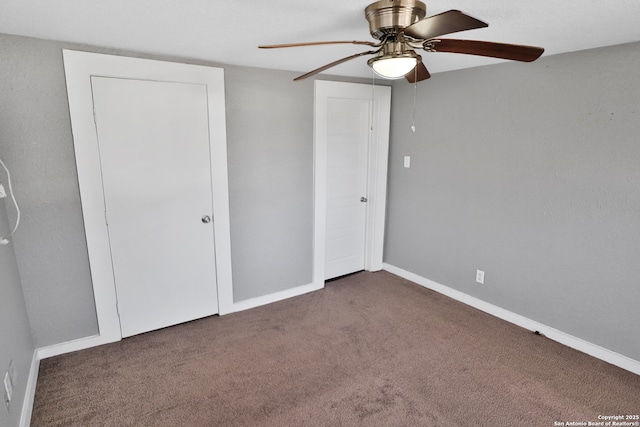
(373, 95)
(415, 91)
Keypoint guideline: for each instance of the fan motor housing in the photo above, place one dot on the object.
(387, 17)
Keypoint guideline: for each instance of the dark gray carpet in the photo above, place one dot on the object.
(370, 349)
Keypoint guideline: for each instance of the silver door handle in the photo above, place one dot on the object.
(363, 199)
(206, 219)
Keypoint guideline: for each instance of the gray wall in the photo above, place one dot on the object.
(270, 143)
(36, 141)
(270, 147)
(530, 172)
(16, 345)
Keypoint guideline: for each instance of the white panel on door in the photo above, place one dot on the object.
(348, 134)
(153, 140)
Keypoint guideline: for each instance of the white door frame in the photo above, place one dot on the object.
(380, 97)
(79, 67)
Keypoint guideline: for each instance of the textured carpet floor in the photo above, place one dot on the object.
(370, 349)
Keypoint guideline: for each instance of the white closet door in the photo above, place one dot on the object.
(348, 136)
(153, 139)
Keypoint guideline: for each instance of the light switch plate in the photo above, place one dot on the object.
(407, 161)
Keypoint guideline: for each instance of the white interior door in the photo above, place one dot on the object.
(153, 139)
(348, 137)
(351, 152)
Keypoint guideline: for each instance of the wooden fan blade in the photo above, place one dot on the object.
(277, 46)
(418, 74)
(333, 64)
(448, 22)
(514, 52)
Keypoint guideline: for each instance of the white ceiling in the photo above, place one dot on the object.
(229, 31)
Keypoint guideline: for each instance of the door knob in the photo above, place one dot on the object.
(206, 219)
(363, 199)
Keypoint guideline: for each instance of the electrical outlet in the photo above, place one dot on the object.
(480, 276)
(3, 193)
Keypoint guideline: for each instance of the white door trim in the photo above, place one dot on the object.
(79, 67)
(377, 174)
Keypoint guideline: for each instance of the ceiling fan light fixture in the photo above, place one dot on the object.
(390, 66)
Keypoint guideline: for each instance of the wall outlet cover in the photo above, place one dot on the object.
(3, 192)
(480, 276)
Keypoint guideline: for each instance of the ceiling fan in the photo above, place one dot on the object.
(400, 27)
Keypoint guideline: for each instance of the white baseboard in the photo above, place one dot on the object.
(30, 393)
(278, 296)
(71, 346)
(576, 343)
